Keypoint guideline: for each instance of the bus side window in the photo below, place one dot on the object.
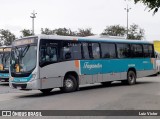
(42, 54)
(148, 51)
(66, 52)
(71, 51)
(53, 54)
(95, 51)
(108, 50)
(123, 50)
(151, 51)
(136, 50)
(85, 51)
(48, 54)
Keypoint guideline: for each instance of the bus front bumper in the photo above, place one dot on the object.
(4, 79)
(33, 85)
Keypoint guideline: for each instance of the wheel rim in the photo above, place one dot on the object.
(69, 83)
(131, 78)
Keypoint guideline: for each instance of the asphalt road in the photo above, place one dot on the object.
(145, 95)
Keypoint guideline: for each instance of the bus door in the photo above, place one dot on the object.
(48, 66)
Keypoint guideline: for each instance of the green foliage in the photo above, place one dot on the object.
(134, 32)
(6, 37)
(26, 32)
(67, 32)
(152, 4)
(59, 31)
(47, 31)
(84, 32)
(64, 32)
(115, 30)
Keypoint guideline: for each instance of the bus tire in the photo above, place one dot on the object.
(131, 77)
(69, 84)
(46, 91)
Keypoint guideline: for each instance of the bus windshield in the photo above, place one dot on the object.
(23, 58)
(6, 57)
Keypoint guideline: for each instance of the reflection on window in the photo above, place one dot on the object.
(148, 50)
(85, 51)
(123, 50)
(24, 57)
(71, 51)
(108, 50)
(48, 54)
(95, 51)
(136, 50)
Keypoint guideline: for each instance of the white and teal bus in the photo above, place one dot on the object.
(4, 63)
(45, 62)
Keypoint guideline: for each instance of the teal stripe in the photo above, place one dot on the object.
(114, 65)
(4, 75)
(114, 40)
(22, 79)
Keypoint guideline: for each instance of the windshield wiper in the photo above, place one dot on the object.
(25, 51)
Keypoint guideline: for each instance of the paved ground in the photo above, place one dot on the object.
(145, 95)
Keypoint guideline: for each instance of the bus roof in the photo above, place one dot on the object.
(97, 39)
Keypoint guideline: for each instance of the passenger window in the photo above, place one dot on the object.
(136, 50)
(95, 51)
(71, 51)
(48, 54)
(85, 51)
(123, 50)
(108, 50)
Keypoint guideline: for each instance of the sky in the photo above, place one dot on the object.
(74, 14)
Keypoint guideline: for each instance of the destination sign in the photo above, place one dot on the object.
(25, 41)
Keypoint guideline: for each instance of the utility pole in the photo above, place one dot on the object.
(33, 16)
(127, 9)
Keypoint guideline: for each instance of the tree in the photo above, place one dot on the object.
(114, 30)
(135, 32)
(64, 32)
(84, 32)
(6, 37)
(59, 31)
(152, 4)
(26, 32)
(47, 31)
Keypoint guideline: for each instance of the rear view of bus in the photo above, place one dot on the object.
(4, 63)
(23, 61)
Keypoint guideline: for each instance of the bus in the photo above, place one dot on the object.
(44, 62)
(4, 63)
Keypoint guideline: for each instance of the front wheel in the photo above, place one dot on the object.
(69, 84)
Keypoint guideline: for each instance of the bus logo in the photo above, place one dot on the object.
(92, 66)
